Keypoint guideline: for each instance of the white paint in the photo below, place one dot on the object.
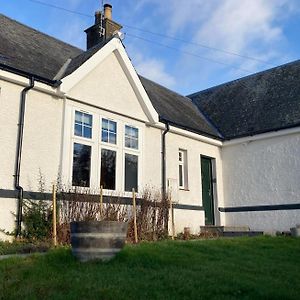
(7, 220)
(188, 218)
(263, 172)
(114, 46)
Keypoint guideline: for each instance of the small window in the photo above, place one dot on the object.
(81, 165)
(131, 172)
(108, 169)
(131, 137)
(83, 124)
(182, 168)
(109, 131)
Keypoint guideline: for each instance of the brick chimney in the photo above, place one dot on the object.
(97, 34)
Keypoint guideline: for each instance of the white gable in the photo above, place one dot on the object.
(108, 80)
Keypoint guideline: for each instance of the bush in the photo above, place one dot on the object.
(37, 220)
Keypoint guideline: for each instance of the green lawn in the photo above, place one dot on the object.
(243, 268)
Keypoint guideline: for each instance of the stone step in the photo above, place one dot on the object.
(211, 229)
(236, 228)
(241, 233)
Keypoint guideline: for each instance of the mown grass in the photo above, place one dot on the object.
(243, 268)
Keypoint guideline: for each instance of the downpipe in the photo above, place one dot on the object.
(19, 154)
(163, 171)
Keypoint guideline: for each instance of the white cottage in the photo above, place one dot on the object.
(230, 153)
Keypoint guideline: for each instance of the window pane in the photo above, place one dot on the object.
(87, 119)
(104, 124)
(127, 130)
(104, 136)
(131, 172)
(87, 132)
(112, 126)
(78, 116)
(81, 165)
(131, 137)
(180, 156)
(135, 132)
(127, 142)
(78, 130)
(180, 176)
(108, 169)
(134, 143)
(83, 124)
(112, 138)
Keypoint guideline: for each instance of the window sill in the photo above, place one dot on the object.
(183, 189)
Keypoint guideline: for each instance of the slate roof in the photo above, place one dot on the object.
(177, 110)
(262, 102)
(31, 51)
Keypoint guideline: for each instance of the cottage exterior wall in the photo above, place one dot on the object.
(262, 172)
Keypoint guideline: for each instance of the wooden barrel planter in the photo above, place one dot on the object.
(92, 240)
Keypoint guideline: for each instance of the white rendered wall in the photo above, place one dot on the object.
(193, 194)
(41, 144)
(107, 86)
(264, 172)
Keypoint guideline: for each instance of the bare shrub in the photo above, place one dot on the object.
(150, 217)
(82, 204)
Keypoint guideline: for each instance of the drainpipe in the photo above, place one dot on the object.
(19, 154)
(163, 171)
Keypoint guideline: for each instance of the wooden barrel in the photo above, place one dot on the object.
(97, 239)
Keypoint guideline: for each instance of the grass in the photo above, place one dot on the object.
(243, 268)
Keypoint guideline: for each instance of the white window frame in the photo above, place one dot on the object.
(183, 164)
(132, 151)
(109, 120)
(74, 120)
(96, 143)
(138, 138)
(72, 161)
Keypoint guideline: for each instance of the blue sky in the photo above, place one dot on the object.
(267, 30)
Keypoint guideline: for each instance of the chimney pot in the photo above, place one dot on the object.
(107, 11)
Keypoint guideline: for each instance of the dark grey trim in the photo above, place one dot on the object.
(163, 120)
(92, 198)
(187, 207)
(54, 83)
(260, 208)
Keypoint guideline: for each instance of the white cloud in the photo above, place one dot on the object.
(154, 69)
(150, 67)
(235, 25)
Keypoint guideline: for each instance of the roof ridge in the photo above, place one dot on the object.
(242, 78)
(40, 32)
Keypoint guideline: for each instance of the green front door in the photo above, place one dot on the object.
(207, 190)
